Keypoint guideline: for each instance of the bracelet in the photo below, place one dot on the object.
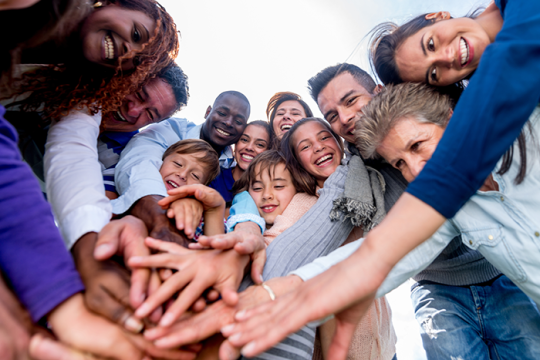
(269, 290)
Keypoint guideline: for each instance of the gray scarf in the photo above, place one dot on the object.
(363, 198)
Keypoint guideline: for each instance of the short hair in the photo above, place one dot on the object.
(210, 159)
(307, 181)
(279, 98)
(266, 126)
(238, 94)
(319, 81)
(178, 80)
(268, 161)
(393, 104)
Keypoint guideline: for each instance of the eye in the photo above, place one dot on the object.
(220, 113)
(415, 146)
(177, 164)
(196, 177)
(239, 123)
(139, 96)
(304, 147)
(433, 74)
(399, 164)
(151, 116)
(351, 101)
(244, 140)
(297, 114)
(279, 187)
(431, 45)
(261, 145)
(256, 188)
(136, 35)
(331, 118)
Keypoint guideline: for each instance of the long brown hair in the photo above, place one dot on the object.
(79, 84)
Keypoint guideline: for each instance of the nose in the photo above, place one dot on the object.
(346, 115)
(416, 166)
(446, 56)
(182, 175)
(135, 108)
(250, 147)
(228, 121)
(318, 146)
(268, 194)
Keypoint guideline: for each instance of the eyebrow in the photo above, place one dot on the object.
(346, 95)
(147, 32)
(153, 108)
(279, 179)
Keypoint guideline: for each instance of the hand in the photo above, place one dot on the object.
(198, 271)
(155, 218)
(197, 327)
(210, 198)
(187, 214)
(246, 239)
(107, 285)
(43, 348)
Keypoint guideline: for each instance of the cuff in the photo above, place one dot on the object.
(135, 192)
(83, 220)
(236, 219)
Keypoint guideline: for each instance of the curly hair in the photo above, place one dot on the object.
(79, 84)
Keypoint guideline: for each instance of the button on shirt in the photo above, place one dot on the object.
(137, 173)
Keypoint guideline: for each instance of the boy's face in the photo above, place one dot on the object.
(183, 169)
(272, 192)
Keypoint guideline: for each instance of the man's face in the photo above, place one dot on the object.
(340, 101)
(226, 121)
(153, 103)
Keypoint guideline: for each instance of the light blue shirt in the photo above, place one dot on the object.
(137, 173)
(504, 226)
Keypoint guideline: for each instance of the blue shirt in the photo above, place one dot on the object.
(490, 114)
(223, 183)
(110, 146)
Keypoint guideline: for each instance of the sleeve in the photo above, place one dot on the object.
(32, 254)
(137, 173)
(490, 114)
(244, 209)
(73, 177)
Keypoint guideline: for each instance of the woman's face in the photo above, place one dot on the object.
(287, 114)
(112, 31)
(443, 53)
(253, 141)
(317, 150)
(409, 145)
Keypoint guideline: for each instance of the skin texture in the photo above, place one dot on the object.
(182, 169)
(16, 4)
(312, 143)
(129, 30)
(225, 121)
(287, 113)
(441, 64)
(153, 103)
(272, 192)
(340, 102)
(253, 141)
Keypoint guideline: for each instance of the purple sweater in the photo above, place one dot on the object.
(33, 256)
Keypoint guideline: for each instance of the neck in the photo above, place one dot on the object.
(237, 172)
(491, 21)
(218, 148)
(320, 183)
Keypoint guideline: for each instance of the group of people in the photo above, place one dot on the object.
(277, 238)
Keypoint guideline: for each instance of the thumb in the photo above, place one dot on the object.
(42, 348)
(108, 241)
(339, 347)
(257, 266)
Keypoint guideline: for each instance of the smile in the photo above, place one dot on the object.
(172, 183)
(286, 127)
(246, 157)
(325, 160)
(221, 132)
(268, 208)
(464, 51)
(109, 47)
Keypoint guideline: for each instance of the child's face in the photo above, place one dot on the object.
(182, 169)
(272, 192)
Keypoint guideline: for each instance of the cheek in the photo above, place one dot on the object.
(275, 126)
(256, 196)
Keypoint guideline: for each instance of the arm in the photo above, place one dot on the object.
(243, 209)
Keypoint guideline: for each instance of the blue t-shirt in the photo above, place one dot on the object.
(223, 183)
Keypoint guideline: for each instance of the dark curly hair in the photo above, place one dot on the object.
(79, 84)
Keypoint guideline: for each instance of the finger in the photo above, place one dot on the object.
(153, 286)
(162, 260)
(180, 213)
(199, 305)
(257, 266)
(197, 246)
(164, 246)
(108, 241)
(165, 274)
(339, 347)
(139, 286)
(178, 193)
(186, 298)
(42, 348)
(229, 296)
(223, 241)
(188, 221)
(212, 295)
(228, 352)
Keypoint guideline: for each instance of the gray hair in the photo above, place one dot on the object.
(394, 103)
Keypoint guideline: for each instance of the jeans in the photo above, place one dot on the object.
(494, 320)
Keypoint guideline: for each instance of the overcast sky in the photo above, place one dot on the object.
(262, 47)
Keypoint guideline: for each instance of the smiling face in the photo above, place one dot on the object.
(226, 121)
(272, 192)
(340, 101)
(317, 150)
(183, 169)
(153, 103)
(253, 141)
(409, 145)
(111, 31)
(443, 53)
(287, 114)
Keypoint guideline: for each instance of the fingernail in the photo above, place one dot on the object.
(240, 315)
(102, 250)
(227, 329)
(260, 277)
(133, 324)
(248, 349)
(166, 320)
(163, 342)
(150, 333)
(235, 338)
(143, 310)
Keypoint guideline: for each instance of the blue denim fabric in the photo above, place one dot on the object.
(489, 321)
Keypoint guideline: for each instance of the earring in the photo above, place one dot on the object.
(98, 5)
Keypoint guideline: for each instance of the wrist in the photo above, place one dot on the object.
(65, 314)
(284, 284)
(83, 249)
(148, 210)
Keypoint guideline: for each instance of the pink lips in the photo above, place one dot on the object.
(471, 53)
(268, 208)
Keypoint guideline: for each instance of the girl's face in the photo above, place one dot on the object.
(287, 114)
(272, 192)
(443, 53)
(317, 150)
(112, 31)
(183, 169)
(253, 141)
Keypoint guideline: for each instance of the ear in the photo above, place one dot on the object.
(378, 89)
(441, 15)
(450, 113)
(208, 109)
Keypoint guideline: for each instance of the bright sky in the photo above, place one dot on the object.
(262, 47)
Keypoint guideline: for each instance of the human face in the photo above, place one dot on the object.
(183, 169)
(153, 103)
(443, 53)
(226, 121)
(112, 31)
(340, 101)
(317, 150)
(253, 141)
(272, 192)
(409, 145)
(287, 114)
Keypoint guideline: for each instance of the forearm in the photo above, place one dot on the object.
(213, 221)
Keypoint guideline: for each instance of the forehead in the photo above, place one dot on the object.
(115, 14)
(233, 103)
(343, 84)
(411, 61)
(191, 159)
(272, 172)
(290, 104)
(256, 132)
(308, 130)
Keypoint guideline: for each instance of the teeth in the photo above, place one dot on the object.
(109, 47)
(464, 51)
(222, 132)
(247, 157)
(172, 184)
(268, 207)
(286, 127)
(323, 159)
(119, 114)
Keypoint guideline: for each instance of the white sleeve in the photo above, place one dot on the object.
(73, 176)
